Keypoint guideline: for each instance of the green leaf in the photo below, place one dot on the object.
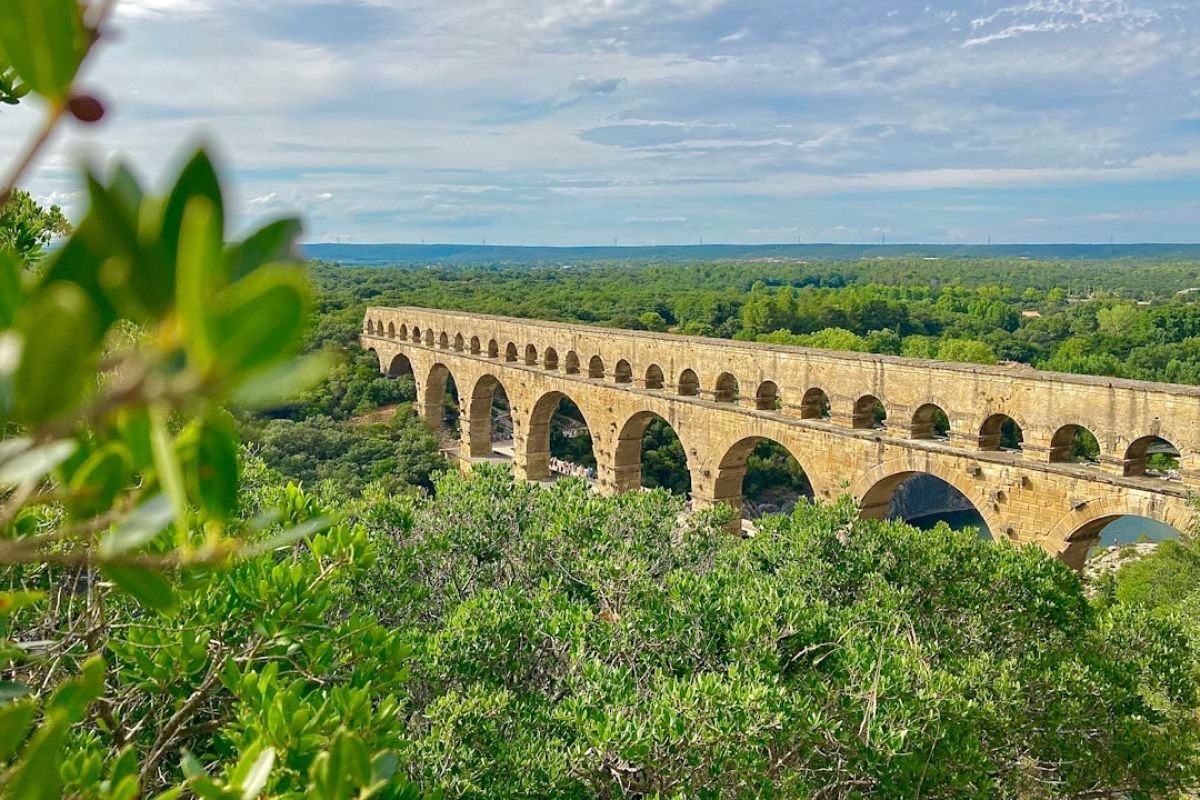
(12, 601)
(100, 479)
(259, 320)
(217, 467)
(166, 463)
(12, 690)
(73, 697)
(134, 427)
(198, 179)
(20, 463)
(129, 271)
(44, 41)
(10, 289)
(253, 771)
(125, 767)
(278, 385)
(15, 722)
(147, 587)
(349, 760)
(78, 262)
(36, 775)
(198, 277)
(288, 537)
(271, 243)
(140, 526)
(59, 336)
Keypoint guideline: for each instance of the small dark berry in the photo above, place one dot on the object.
(86, 108)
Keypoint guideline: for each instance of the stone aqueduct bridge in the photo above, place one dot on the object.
(722, 398)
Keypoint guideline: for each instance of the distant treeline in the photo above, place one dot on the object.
(380, 254)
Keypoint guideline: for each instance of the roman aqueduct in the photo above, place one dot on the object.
(722, 398)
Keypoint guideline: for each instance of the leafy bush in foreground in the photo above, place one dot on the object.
(571, 646)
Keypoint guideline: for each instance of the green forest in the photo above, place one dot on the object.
(234, 564)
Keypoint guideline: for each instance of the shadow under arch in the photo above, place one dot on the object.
(540, 460)
(688, 384)
(877, 489)
(737, 463)
(481, 431)
(401, 365)
(663, 447)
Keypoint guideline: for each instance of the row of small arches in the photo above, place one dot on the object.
(999, 432)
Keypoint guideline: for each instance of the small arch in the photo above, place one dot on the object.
(1153, 456)
(726, 389)
(370, 327)
(767, 397)
(475, 348)
(510, 353)
(1074, 444)
(815, 405)
(403, 331)
(429, 337)
(416, 335)
(400, 366)
(550, 359)
(391, 330)
(531, 354)
(623, 372)
(930, 422)
(654, 377)
(869, 413)
(1001, 432)
(493, 349)
(689, 384)
(459, 344)
(444, 341)
(571, 364)
(596, 367)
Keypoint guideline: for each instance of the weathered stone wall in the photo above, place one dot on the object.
(723, 397)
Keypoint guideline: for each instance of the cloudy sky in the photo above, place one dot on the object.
(666, 121)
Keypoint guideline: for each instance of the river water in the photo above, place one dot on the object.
(1123, 530)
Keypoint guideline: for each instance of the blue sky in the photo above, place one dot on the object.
(666, 121)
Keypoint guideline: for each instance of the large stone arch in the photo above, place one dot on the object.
(477, 416)
(535, 449)
(433, 394)
(620, 467)
(874, 490)
(1075, 532)
(726, 479)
